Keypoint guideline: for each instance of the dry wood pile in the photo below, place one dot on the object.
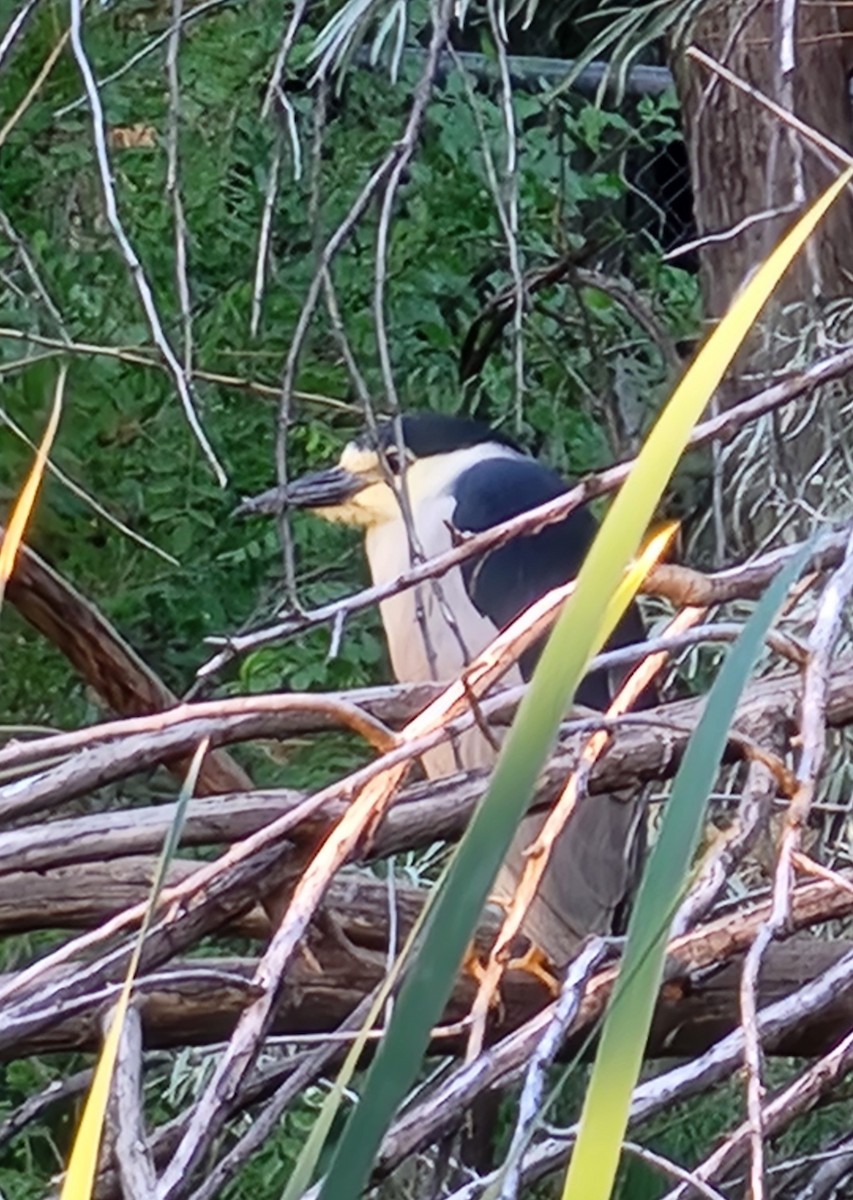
(285, 871)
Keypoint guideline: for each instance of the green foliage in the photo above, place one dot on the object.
(123, 436)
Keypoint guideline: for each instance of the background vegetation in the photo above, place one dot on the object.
(600, 187)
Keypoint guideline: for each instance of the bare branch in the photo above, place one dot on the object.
(530, 1105)
(103, 658)
(135, 1167)
(656, 1094)
(267, 1121)
(798, 1097)
(825, 631)
(137, 273)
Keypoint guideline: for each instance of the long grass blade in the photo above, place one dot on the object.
(309, 1156)
(595, 1160)
(82, 1165)
(25, 502)
(577, 634)
(459, 902)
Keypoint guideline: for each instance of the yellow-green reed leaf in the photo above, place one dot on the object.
(595, 1159)
(632, 580)
(456, 905)
(80, 1174)
(309, 1156)
(306, 1164)
(577, 634)
(24, 506)
(83, 1163)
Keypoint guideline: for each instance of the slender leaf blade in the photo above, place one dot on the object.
(80, 1175)
(604, 1119)
(459, 902)
(24, 505)
(576, 635)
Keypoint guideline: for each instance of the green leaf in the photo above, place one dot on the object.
(80, 1176)
(595, 1160)
(576, 635)
(309, 1156)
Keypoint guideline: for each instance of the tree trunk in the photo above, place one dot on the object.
(752, 176)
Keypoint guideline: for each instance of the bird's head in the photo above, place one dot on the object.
(363, 489)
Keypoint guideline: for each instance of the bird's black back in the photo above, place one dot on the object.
(506, 581)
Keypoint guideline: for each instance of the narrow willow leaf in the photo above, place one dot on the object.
(595, 1159)
(575, 637)
(24, 506)
(80, 1175)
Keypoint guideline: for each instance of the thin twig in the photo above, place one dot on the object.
(668, 1167)
(131, 259)
(190, 14)
(530, 1105)
(538, 854)
(15, 26)
(173, 186)
(274, 87)
(402, 148)
(82, 494)
(777, 1114)
(143, 358)
(33, 90)
(28, 262)
(426, 1120)
(441, 19)
(809, 133)
(506, 201)
(825, 631)
(263, 252)
(274, 1108)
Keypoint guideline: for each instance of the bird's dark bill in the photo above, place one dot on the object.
(319, 489)
(323, 489)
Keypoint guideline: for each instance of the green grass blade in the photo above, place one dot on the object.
(595, 1159)
(456, 910)
(576, 636)
(80, 1175)
(309, 1156)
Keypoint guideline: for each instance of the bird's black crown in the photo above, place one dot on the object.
(428, 433)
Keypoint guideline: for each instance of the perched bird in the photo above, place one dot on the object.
(462, 476)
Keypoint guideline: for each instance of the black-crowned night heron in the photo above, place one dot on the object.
(460, 475)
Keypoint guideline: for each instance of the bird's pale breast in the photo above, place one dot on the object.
(453, 642)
